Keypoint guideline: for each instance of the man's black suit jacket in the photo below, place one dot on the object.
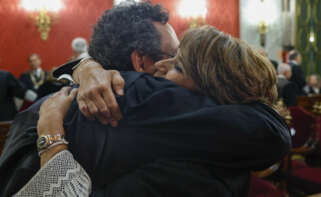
(171, 142)
(287, 90)
(26, 81)
(297, 77)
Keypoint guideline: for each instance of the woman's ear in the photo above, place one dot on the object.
(137, 61)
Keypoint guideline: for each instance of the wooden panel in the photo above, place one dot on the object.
(308, 102)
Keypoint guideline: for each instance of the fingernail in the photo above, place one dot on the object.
(107, 115)
(120, 92)
(114, 123)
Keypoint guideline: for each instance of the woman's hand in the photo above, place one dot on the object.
(53, 111)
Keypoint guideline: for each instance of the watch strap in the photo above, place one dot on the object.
(63, 141)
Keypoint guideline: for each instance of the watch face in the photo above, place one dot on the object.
(42, 142)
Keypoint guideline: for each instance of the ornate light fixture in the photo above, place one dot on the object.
(262, 15)
(193, 10)
(42, 12)
(312, 36)
(263, 29)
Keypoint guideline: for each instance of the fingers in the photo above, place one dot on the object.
(84, 109)
(103, 113)
(73, 93)
(118, 83)
(96, 104)
(65, 91)
(112, 104)
(93, 110)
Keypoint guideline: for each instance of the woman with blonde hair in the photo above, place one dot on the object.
(222, 67)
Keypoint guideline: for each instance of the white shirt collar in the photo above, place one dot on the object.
(293, 62)
(37, 72)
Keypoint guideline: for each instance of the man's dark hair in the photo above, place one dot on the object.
(293, 55)
(125, 28)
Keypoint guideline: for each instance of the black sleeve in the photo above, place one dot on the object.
(23, 80)
(19, 160)
(66, 68)
(15, 87)
(166, 178)
(227, 134)
(300, 77)
(290, 95)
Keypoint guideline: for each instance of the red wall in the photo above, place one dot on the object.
(223, 14)
(20, 37)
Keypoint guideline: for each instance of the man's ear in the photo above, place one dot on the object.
(137, 61)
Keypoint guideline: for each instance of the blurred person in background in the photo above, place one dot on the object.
(79, 46)
(286, 89)
(35, 77)
(298, 78)
(313, 85)
(10, 88)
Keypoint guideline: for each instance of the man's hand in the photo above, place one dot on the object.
(95, 96)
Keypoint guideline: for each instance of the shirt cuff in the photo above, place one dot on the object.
(62, 174)
(65, 68)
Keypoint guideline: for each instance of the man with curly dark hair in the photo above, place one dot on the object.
(117, 36)
(131, 36)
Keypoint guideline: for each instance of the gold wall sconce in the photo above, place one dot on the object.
(42, 12)
(263, 29)
(261, 15)
(194, 11)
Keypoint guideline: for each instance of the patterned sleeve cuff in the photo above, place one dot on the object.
(62, 175)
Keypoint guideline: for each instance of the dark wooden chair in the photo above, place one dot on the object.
(4, 129)
(260, 187)
(304, 123)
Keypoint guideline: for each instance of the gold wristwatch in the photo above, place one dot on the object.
(44, 141)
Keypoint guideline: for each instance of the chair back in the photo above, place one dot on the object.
(304, 125)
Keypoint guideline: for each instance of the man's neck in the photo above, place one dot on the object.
(281, 76)
(36, 69)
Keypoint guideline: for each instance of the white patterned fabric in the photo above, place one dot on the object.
(62, 175)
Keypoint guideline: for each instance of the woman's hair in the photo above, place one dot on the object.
(227, 69)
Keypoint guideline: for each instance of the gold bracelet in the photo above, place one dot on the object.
(53, 145)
